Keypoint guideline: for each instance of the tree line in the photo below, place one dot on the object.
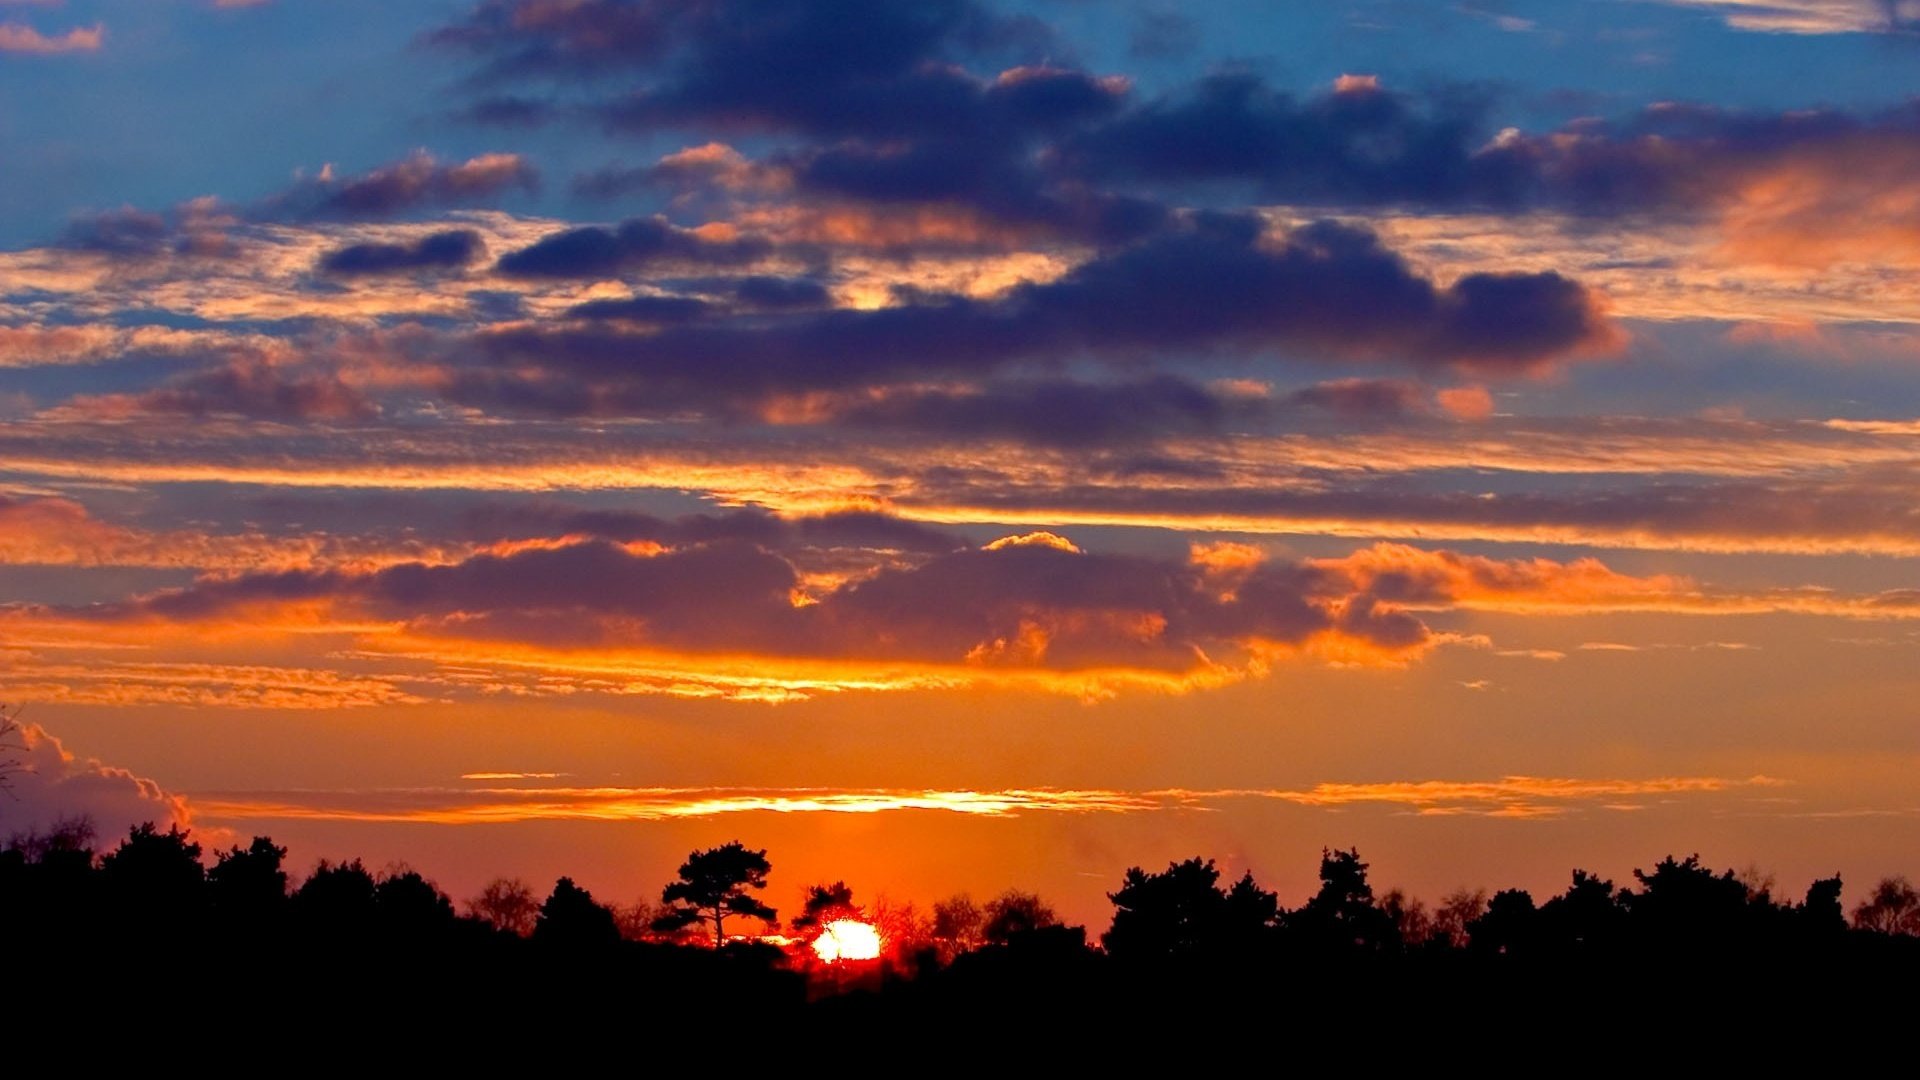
(1177, 936)
(1184, 911)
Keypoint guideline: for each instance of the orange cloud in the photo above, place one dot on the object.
(33, 677)
(21, 38)
(732, 621)
(1855, 201)
(1512, 797)
(1465, 402)
(60, 532)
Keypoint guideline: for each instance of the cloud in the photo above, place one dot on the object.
(1366, 146)
(1807, 517)
(1812, 16)
(644, 309)
(692, 607)
(54, 783)
(1363, 398)
(904, 125)
(1327, 290)
(73, 673)
(746, 65)
(1509, 797)
(779, 294)
(23, 346)
(242, 388)
(1688, 484)
(1043, 412)
(900, 120)
(788, 534)
(52, 531)
(1015, 609)
(19, 38)
(545, 598)
(594, 251)
(419, 181)
(449, 250)
(709, 166)
(196, 229)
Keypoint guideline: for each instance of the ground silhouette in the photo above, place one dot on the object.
(1669, 958)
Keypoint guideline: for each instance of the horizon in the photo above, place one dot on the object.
(967, 445)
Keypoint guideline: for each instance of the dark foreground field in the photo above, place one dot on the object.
(143, 953)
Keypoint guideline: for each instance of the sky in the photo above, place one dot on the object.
(965, 445)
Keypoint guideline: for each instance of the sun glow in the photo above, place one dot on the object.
(847, 939)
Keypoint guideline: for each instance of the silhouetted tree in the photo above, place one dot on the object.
(506, 904)
(1588, 914)
(1012, 914)
(1821, 913)
(904, 930)
(713, 885)
(1411, 921)
(824, 904)
(1212, 951)
(1457, 911)
(1251, 911)
(957, 923)
(410, 905)
(67, 835)
(1759, 882)
(1182, 911)
(1683, 903)
(336, 901)
(571, 920)
(155, 874)
(1892, 908)
(1173, 913)
(1342, 914)
(248, 883)
(1508, 925)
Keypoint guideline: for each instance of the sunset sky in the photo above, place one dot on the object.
(961, 445)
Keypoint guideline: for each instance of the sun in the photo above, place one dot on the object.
(847, 939)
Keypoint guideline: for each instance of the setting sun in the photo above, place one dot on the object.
(847, 939)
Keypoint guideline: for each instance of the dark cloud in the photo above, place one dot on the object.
(862, 529)
(1029, 603)
(993, 179)
(195, 229)
(940, 102)
(1363, 145)
(1061, 413)
(419, 181)
(252, 390)
(596, 251)
(125, 231)
(926, 104)
(779, 293)
(851, 67)
(656, 310)
(1216, 283)
(450, 250)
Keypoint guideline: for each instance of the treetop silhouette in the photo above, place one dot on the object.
(713, 886)
(825, 904)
